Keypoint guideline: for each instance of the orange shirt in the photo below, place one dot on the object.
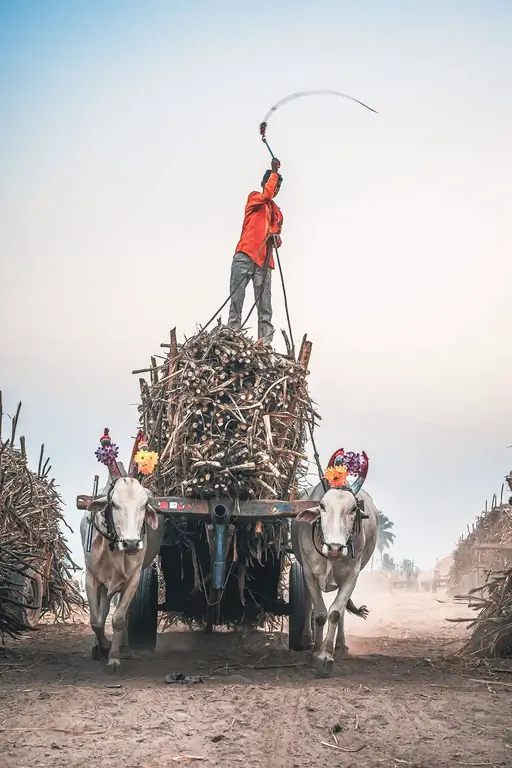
(262, 217)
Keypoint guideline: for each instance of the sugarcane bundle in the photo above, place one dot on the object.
(31, 541)
(227, 416)
(492, 526)
(491, 631)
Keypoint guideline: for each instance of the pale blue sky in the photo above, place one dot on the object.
(128, 145)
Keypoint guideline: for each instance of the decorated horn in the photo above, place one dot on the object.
(133, 469)
(358, 483)
(143, 460)
(107, 454)
(114, 471)
(344, 463)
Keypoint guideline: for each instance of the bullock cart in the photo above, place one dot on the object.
(225, 422)
(218, 562)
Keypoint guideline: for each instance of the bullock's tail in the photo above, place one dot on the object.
(362, 612)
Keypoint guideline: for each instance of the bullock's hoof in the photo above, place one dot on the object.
(324, 664)
(114, 667)
(98, 653)
(342, 650)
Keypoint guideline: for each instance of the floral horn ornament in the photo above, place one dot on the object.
(107, 453)
(144, 459)
(344, 464)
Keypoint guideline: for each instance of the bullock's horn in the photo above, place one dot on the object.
(140, 442)
(356, 486)
(114, 471)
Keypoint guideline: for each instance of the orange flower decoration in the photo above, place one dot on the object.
(146, 461)
(336, 476)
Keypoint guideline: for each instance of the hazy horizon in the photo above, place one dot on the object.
(128, 147)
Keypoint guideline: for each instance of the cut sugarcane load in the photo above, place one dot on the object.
(228, 417)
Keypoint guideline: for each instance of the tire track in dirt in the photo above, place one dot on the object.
(285, 724)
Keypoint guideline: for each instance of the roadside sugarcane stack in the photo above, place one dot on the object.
(493, 526)
(228, 417)
(491, 630)
(32, 547)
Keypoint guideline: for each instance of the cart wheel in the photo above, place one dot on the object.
(299, 605)
(28, 596)
(142, 616)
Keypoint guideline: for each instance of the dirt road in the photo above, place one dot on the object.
(394, 702)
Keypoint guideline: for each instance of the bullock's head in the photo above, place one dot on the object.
(125, 509)
(336, 513)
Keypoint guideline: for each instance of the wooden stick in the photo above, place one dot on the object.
(15, 423)
(344, 749)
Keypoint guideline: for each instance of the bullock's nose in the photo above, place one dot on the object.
(334, 549)
(130, 545)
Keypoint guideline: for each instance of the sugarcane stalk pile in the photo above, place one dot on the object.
(227, 416)
(491, 631)
(31, 540)
(493, 526)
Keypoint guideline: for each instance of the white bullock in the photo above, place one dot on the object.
(119, 550)
(333, 541)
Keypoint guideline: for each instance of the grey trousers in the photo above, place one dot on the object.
(244, 269)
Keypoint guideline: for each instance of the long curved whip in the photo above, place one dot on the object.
(293, 96)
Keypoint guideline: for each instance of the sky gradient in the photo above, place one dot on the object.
(128, 145)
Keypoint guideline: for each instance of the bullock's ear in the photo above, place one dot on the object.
(151, 517)
(97, 505)
(308, 515)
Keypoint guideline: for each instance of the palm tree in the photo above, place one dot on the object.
(388, 563)
(385, 536)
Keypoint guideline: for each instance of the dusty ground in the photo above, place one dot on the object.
(394, 702)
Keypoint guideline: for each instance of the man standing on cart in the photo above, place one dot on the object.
(253, 259)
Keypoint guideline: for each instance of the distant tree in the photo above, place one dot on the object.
(388, 563)
(408, 569)
(385, 536)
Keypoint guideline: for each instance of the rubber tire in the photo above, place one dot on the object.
(142, 619)
(298, 603)
(29, 590)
